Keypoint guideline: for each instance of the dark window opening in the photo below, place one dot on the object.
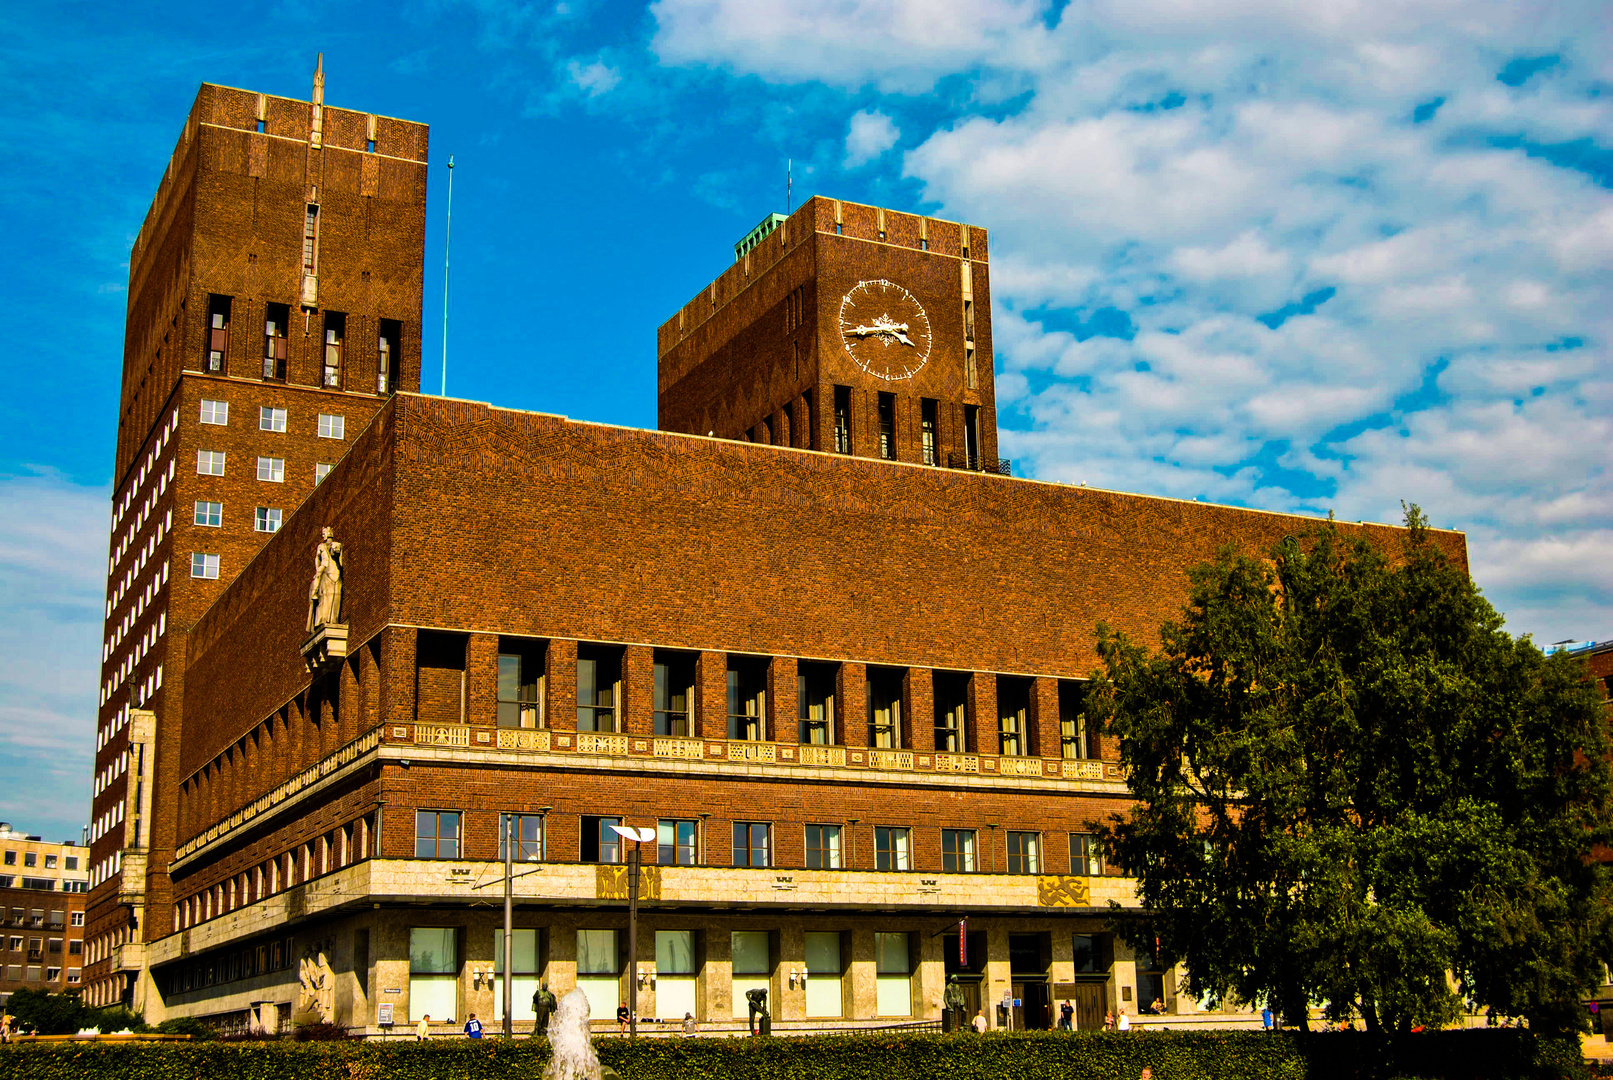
(386, 368)
(842, 419)
(1013, 715)
(1074, 738)
(823, 847)
(335, 335)
(436, 834)
(951, 712)
(599, 678)
(218, 332)
(927, 411)
(676, 842)
(887, 426)
(958, 851)
(885, 708)
(275, 320)
(310, 240)
(520, 683)
(674, 693)
(810, 439)
(815, 702)
(751, 843)
(601, 843)
(971, 434)
(747, 698)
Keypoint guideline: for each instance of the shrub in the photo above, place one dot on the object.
(187, 1025)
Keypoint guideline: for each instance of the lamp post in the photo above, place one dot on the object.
(635, 860)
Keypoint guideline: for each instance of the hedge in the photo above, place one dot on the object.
(1483, 1054)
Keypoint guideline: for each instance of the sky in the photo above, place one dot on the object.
(1294, 256)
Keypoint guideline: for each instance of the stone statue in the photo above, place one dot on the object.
(316, 989)
(325, 595)
(757, 1000)
(954, 998)
(543, 1004)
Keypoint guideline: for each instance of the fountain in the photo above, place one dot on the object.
(570, 1041)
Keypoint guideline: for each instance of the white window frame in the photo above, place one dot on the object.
(210, 463)
(321, 470)
(266, 516)
(272, 470)
(215, 412)
(271, 419)
(215, 511)
(332, 426)
(206, 562)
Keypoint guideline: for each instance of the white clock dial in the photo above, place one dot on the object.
(885, 330)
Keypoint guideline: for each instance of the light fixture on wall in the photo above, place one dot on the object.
(646, 976)
(797, 975)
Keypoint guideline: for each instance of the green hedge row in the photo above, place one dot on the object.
(1447, 1055)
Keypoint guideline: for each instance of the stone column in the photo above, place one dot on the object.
(1046, 739)
(862, 976)
(638, 690)
(561, 685)
(999, 974)
(983, 712)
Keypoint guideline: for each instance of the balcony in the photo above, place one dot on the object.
(976, 463)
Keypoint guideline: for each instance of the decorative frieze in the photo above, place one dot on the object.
(522, 739)
(1083, 770)
(822, 755)
(1019, 766)
(957, 763)
(688, 749)
(890, 759)
(441, 735)
(752, 751)
(590, 743)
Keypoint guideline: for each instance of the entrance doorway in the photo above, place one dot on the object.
(1091, 1004)
(1035, 1009)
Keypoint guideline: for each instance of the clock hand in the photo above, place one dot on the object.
(884, 329)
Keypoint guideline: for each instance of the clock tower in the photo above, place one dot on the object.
(846, 329)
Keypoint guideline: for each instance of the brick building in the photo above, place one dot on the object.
(42, 887)
(810, 633)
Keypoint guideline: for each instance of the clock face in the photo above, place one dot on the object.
(885, 329)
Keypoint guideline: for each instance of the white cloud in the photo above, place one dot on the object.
(870, 135)
(593, 78)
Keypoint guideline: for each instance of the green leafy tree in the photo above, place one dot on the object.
(1354, 787)
(44, 1013)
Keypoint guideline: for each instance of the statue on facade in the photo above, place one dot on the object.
(543, 1006)
(325, 595)
(955, 1004)
(757, 1000)
(316, 988)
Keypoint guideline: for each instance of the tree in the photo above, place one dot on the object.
(1352, 782)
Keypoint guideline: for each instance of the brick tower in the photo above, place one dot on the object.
(843, 328)
(274, 306)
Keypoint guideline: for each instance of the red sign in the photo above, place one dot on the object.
(963, 943)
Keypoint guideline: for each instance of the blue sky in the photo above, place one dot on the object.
(1290, 256)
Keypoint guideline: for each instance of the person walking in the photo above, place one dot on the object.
(1265, 1017)
(1067, 1016)
(690, 1028)
(1122, 1022)
(979, 1022)
(473, 1027)
(1109, 1020)
(422, 1030)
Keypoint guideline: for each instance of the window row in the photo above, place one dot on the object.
(211, 515)
(328, 426)
(275, 348)
(326, 854)
(31, 858)
(889, 719)
(439, 834)
(270, 469)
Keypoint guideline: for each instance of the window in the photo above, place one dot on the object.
(433, 971)
(951, 712)
(890, 848)
(210, 514)
(528, 830)
(893, 985)
(1089, 953)
(823, 847)
(1074, 739)
(321, 471)
(599, 677)
(598, 967)
(815, 702)
(50, 862)
(335, 332)
(887, 426)
(210, 462)
(674, 690)
(332, 426)
(203, 565)
(271, 419)
(275, 319)
(215, 412)
(971, 427)
(310, 239)
(78, 916)
(884, 708)
(601, 843)
(958, 851)
(218, 332)
(268, 519)
(747, 698)
(751, 843)
(810, 440)
(842, 419)
(11, 858)
(520, 683)
(436, 834)
(386, 367)
(524, 965)
(752, 959)
(272, 469)
(1084, 858)
(823, 995)
(1024, 853)
(675, 842)
(674, 973)
(1013, 708)
(927, 422)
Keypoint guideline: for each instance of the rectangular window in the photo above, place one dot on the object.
(598, 968)
(1024, 853)
(271, 419)
(520, 683)
(528, 830)
(321, 471)
(893, 972)
(674, 690)
(268, 519)
(751, 843)
(747, 698)
(810, 439)
(276, 317)
(78, 916)
(386, 366)
(272, 469)
(887, 426)
(823, 995)
(823, 847)
(676, 842)
(971, 433)
(335, 333)
(958, 851)
(215, 412)
(842, 419)
(203, 565)
(436, 834)
(951, 712)
(674, 973)
(815, 703)
(891, 848)
(600, 842)
(599, 677)
(310, 239)
(210, 514)
(1084, 858)
(928, 410)
(210, 463)
(752, 967)
(218, 332)
(885, 708)
(332, 426)
(1013, 709)
(1074, 739)
(433, 971)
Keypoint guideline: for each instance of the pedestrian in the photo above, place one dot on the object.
(1122, 1022)
(1265, 1017)
(473, 1027)
(1109, 1020)
(1066, 1016)
(690, 1029)
(979, 1022)
(621, 1017)
(422, 1031)
(1146, 1074)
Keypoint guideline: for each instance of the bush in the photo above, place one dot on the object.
(187, 1025)
(115, 1018)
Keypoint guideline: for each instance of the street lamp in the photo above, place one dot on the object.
(635, 859)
